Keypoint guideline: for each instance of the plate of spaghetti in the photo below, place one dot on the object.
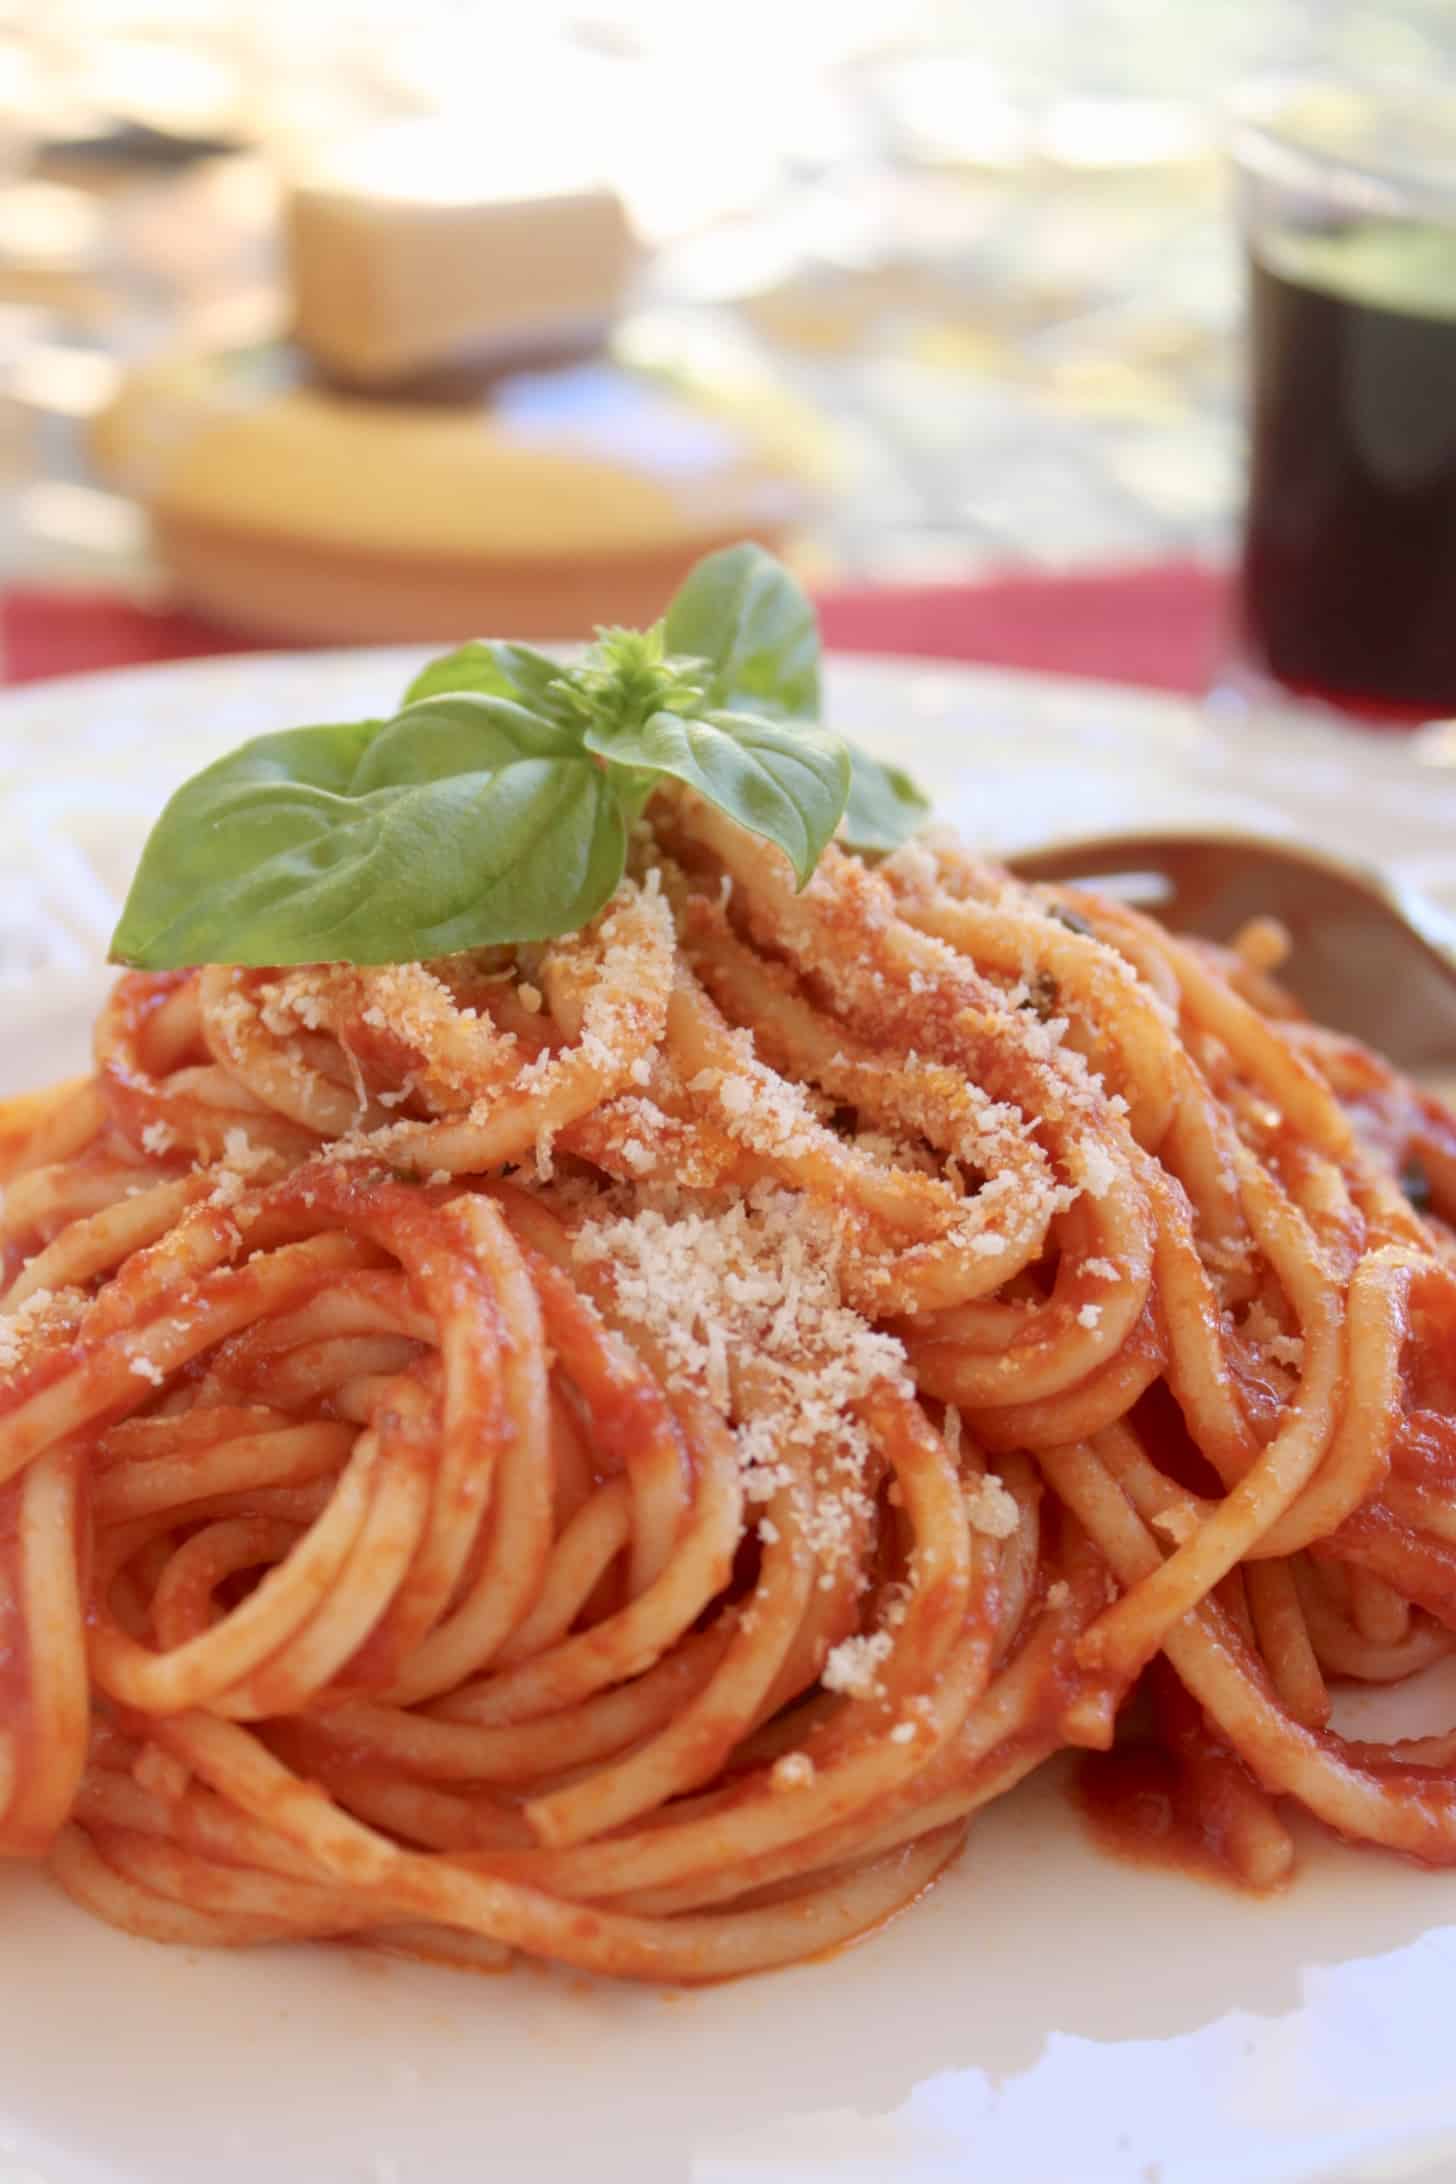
(624, 1364)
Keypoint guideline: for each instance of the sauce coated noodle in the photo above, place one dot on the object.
(616, 1451)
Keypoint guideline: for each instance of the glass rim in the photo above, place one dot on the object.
(1264, 142)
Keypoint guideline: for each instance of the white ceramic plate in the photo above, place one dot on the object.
(1047, 2016)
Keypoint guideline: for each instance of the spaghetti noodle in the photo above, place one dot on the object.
(617, 1449)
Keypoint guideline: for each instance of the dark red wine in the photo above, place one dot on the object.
(1349, 569)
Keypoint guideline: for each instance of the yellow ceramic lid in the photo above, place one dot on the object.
(584, 459)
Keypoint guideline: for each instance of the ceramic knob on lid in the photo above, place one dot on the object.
(408, 261)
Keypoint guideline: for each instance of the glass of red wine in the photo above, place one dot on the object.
(1346, 589)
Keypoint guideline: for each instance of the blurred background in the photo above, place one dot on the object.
(974, 264)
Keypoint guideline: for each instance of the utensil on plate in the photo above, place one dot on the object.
(1369, 956)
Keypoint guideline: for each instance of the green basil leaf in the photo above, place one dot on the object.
(466, 731)
(884, 807)
(491, 669)
(742, 612)
(634, 786)
(465, 822)
(786, 782)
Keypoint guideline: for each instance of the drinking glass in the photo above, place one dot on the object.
(1346, 588)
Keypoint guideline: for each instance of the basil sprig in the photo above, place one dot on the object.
(495, 805)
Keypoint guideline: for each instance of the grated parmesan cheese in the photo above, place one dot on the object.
(1263, 1330)
(991, 1508)
(794, 1771)
(240, 1153)
(19, 1327)
(289, 1002)
(757, 1280)
(1099, 1169)
(759, 1110)
(854, 1664)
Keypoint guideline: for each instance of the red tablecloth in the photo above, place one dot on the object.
(1156, 625)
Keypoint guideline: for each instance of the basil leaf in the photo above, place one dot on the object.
(786, 782)
(462, 732)
(884, 807)
(464, 822)
(494, 807)
(634, 786)
(491, 669)
(742, 612)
